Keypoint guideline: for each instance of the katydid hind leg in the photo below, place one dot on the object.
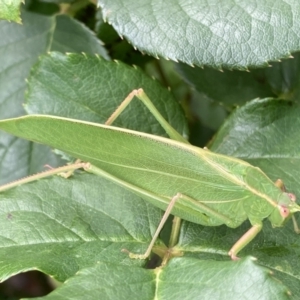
(244, 240)
(207, 214)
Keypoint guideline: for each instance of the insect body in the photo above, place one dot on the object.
(206, 188)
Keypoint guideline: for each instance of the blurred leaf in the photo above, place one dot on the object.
(210, 113)
(280, 80)
(42, 7)
(73, 36)
(20, 47)
(10, 10)
(228, 87)
(283, 78)
(227, 34)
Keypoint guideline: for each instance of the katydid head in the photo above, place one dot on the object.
(286, 207)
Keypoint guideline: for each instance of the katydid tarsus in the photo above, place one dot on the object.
(191, 183)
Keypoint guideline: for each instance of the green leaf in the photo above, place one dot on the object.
(180, 279)
(64, 85)
(20, 48)
(60, 226)
(107, 281)
(277, 249)
(265, 133)
(186, 278)
(231, 34)
(10, 10)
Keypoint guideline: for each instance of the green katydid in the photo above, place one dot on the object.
(192, 183)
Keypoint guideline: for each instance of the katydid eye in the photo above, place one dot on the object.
(284, 211)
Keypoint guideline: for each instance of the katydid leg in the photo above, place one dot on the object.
(175, 232)
(207, 212)
(159, 228)
(279, 183)
(141, 95)
(69, 168)
(244, 240)
(296, 227)
(173, 134)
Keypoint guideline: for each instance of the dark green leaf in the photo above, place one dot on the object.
(90, 88)
(280, 80)
(181, 279)
(231, 34)
(60, 226)
(228, 87)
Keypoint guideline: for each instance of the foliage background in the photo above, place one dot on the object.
(73, 229)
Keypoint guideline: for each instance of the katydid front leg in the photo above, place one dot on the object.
(244, 240)
(256, 228)
(141, 95)
(279, 183)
